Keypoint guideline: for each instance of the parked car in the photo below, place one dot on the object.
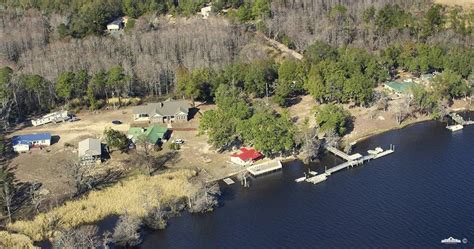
(73, 119)
(116, 122)
(178, 141)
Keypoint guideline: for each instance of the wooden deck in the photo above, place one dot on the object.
(349, 163)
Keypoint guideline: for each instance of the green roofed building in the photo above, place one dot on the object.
(400, 88)
(152, 133)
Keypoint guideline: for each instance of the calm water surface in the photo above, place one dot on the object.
(419, 195)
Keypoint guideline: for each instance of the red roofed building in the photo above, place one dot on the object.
(246, 156)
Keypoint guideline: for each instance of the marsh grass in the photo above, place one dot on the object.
(135, 196)
(8, 240)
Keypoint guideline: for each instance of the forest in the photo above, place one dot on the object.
(57, 52)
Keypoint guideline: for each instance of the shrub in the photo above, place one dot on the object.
(174, 146)
(126, 232)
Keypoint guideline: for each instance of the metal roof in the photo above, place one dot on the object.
(27, 138)
(400, 87)
(90, 147)
(153, 133)
(166, 108)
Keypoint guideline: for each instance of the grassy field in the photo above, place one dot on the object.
(464, 3)
(134, 196)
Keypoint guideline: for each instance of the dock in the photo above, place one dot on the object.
(351, 161)
(344, 155)
(317, 179)
(263, 168)
(459, 119)
(228, 181)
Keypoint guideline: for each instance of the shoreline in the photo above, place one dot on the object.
(345, 140)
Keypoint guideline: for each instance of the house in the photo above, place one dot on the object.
(117, 24)
(89, 150)
(246, 156)
(399, 88)
(152, 134)
(54, 117)
(163, 112)
(23, 143)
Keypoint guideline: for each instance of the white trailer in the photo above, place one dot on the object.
(54, 117)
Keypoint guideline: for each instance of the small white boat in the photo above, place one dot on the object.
(300, 179)
(376, 151)
(313, 173)
(454, 127)
(372, 152)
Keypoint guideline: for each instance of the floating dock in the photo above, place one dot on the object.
(228, 181)
(352, 160)
(266, 167)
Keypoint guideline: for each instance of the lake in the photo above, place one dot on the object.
(415, 197)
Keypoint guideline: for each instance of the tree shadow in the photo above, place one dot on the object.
(293, 101)
(192, 112)
(350, 125)
(107, 179)
(171, 157)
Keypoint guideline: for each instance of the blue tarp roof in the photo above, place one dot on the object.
(30, 138)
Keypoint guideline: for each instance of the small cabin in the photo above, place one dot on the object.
(90, 151)
(246, 156)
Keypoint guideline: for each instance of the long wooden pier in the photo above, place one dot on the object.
(352, 160)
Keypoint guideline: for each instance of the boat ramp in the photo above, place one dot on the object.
(351, 161)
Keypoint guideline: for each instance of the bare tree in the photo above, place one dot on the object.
(36, 196)
(156, 218)
(7, 190)
(205, 198)
(402, 109)
(82, 237)
(79, 174)
(311, 145)
(382, 101)
(331, 139)
(126, 231)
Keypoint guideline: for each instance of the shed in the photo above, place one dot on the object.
(246, 156)
(89, 150)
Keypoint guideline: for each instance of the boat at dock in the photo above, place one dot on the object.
(300, 179)
(454, 127)
(317, 179)
(376, 151)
